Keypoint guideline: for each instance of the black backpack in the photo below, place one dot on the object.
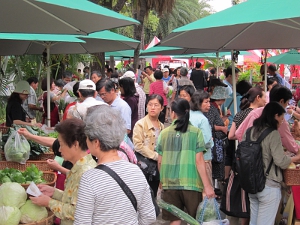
(249, 166)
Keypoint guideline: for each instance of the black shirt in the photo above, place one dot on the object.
(198, 76)
(14, 111)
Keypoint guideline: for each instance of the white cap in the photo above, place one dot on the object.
(165, 70)
(87, 85)
(128, 74)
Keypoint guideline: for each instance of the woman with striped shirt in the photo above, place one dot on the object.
(101, 200)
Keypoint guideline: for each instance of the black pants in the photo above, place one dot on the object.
(162, 115)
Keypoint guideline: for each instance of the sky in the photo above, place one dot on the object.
(219, 5)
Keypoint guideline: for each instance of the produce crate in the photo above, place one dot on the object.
(47, 221)
(41, 157)
(4, 129)
(41, 165)
(291, 177)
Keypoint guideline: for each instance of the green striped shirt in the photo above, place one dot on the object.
(178, 150)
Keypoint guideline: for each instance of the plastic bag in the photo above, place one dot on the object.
(208, 210)
(17, 148)
(217, 222)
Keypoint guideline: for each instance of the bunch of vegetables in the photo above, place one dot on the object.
(35, 148)
(32, 173)
(15, 208)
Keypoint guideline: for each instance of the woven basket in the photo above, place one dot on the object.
(41, 165)
(41, 157)
(4, 129)
(47, 221)
(49, 177)
(291, 177)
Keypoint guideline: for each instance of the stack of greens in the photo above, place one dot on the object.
(32, 173)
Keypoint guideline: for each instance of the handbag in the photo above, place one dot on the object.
(218, 151)
(148, 166)
(126, 189)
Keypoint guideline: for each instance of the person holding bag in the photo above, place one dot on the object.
(181, 163)
(145, 134)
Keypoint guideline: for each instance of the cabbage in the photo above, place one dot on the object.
(9, 215)
(12, 194)
(32, 213)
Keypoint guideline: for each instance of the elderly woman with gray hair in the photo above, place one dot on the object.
(101, 199)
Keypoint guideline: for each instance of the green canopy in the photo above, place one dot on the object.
(122, 54)
(254, 24)
(166, 50)
(207, 55)
(58, 17)
(292, 57)
(20, 44)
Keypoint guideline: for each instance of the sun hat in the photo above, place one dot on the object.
(219, 93)
(22, 87)
(165, 70)
(87, 85)
(129, 74)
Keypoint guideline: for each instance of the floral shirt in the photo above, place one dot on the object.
(63, 203)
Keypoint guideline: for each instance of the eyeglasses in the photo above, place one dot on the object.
(154, 105)
(102, 94)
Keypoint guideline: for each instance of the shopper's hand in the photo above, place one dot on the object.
(25, 133)
(42, 200)
(209, 192)
(46, 190)
(53, 164)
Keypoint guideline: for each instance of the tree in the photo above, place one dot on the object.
(141, 9)
(184, 12)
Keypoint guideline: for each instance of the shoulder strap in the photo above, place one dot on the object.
(122, 150)
(264, 134)
(118, 179)
(248, 133)
(230, 103)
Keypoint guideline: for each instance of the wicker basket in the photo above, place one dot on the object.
(291, 177)
(41, 165)
(4, 129)
(47, 221)
(41, 157)
(49, 177)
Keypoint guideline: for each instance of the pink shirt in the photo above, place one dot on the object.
(284, 130)
(157, 87)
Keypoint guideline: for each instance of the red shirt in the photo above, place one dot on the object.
(157, 87)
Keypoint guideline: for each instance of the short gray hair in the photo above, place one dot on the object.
(183, 71)
(106, 125)
(97, 73)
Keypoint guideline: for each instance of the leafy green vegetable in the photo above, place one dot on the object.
(32, 173)
(12, 194)
(53, 134)
(9, 215)
(32, 213)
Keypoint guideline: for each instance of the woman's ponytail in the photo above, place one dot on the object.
(182, 109)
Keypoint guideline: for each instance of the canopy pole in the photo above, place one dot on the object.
(218, 63)
(266, 70)
(48, 86)
(233, 82)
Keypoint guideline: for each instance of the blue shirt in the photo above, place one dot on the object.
(226, 104)
(228, 88)
(166, 79)
(124, 108)
(280, 79)
(200, 121)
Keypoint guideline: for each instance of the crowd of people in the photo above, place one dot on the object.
(177, 126)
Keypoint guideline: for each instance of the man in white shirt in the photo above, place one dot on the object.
(87, 93)
(107, 92)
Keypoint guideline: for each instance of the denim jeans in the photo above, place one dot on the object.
(264, 206)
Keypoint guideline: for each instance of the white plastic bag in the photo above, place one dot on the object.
(17, 148)
(217, 222)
